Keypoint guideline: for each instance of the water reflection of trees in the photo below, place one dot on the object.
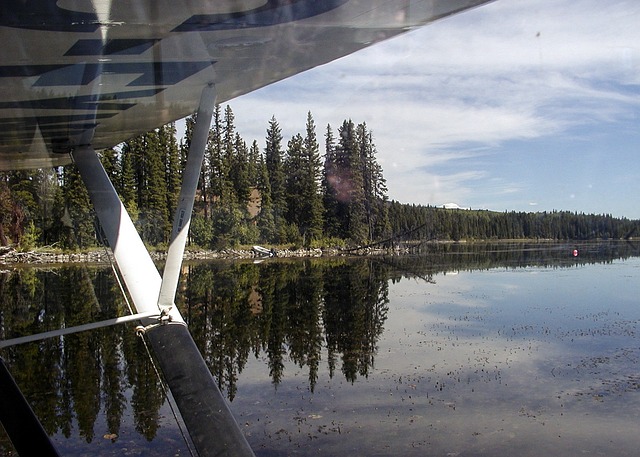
(69, 380)
(282, 312)
(286, 311)
(313, 313)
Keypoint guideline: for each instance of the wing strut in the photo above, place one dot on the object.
(211, 425)
(182, 218)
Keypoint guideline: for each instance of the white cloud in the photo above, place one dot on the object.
(448, 93)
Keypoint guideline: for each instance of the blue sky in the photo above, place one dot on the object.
(527, 105)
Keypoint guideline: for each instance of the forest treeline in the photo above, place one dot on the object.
(300, 193)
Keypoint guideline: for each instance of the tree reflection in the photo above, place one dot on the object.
(286, 310)
(355, 309)
(69, 380)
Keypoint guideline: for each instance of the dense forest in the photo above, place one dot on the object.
(298, 193)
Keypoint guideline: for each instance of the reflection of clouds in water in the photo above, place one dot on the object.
(489, 364)
(501, 362)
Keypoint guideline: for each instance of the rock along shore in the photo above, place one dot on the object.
(9, 255)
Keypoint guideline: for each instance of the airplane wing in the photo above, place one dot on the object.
(74, 72)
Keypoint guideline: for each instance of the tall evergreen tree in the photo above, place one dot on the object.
(330, 185)
(294, 176)
(111, 163)
(25, 187)
(374, 186)
(49, 188)
(76, 211)
(217, 171)
(273, 161)
(253, 170)
(6, 209)
(239, 171)
(172, 168)
(189, 126)
(127, 181)
(148, 156)
(228, 152)
(265, 222)
(12, 215)
(156, 212)
(302, 178)
(351, 183)
(311, 195)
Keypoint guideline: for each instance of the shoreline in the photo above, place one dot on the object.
(10, 256)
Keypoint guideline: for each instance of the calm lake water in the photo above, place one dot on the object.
(463, 350)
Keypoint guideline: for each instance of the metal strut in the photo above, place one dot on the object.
(211, 425)
(182, 218)
(81, 328)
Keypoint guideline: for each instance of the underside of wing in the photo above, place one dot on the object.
(74, 72)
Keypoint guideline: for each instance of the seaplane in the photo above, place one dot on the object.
(79, 76)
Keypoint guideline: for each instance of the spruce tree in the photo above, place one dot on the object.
(111, 164)
(228, 152)
(352, 187)
(144, 158)
(265, 222)
(311, 195)
(253, 171)
(6, 210)
(239, 172)
(214, 155)
(127, 182)
(48, 190)
(76, 213)
(172, 169)
(157, 226)
(374, 186)
(273, 161)
(330, 183)
(294, 175)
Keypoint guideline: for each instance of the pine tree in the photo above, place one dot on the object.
(127, 182)
(156, 212)
(47, 193)
(189, 126)
(76, 212)
(265, 222)
(147, 160)
(172, 169)
(374, 186)
(239, 172)
(24, 187)
(217, 172)
(253, 171)
(293, 172)
(111, 164)
(313, 175)
(12, 215)
(228, 152)
(230, 155)
(352, 186)
(330, 183)
(273, 161)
